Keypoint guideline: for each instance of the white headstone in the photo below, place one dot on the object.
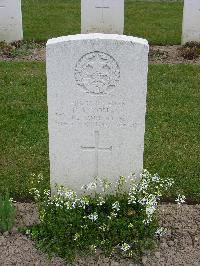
(104, 16)
(97, 87)
(191, 21)
(10, 20)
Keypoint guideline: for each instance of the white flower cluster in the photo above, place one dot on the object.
(132, 193)
(36, 193)
(116, 206)
(102, 184)
(93, 248)
(130, 225)
(151, 206)
(144, 193)
(66, 198)
(100, 201)
(160, 232)
(125, 247)
(105, 184)
(11, 201)
(90, 186)
(93, 216)
(103, 227)
(180, 199)
(147, 192)
(77, 236)
(112, 215)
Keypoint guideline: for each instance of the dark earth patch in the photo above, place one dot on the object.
(174, 54)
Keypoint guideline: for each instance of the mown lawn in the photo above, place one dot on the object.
(172, 140)
(23, 126)
(159, 22)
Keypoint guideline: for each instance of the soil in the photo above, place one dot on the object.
(158, 54)
(179, 246)
(170, 55)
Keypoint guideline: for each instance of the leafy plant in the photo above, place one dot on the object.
(7, 213)
(116, 218)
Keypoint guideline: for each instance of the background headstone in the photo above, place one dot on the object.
(104, 16)
(10, 20)
(191, 21)
(96, 107)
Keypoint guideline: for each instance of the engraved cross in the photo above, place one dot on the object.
(96, 148)
(102, 7)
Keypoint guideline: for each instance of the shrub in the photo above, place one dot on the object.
(116, 218)
(7, 213)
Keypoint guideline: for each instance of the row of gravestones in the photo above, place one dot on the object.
(97, 16)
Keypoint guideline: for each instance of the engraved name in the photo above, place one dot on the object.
(98, 114)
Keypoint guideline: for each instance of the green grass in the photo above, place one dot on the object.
(159, 22)
(44, 19)
(23, 126)
(172, 140)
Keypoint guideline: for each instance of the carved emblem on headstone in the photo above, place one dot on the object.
(97, 73)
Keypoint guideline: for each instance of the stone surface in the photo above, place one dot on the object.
(10, 20)
(104, 16)
(191, 21)
(96, 107)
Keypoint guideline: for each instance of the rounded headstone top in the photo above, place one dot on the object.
(98, 36)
